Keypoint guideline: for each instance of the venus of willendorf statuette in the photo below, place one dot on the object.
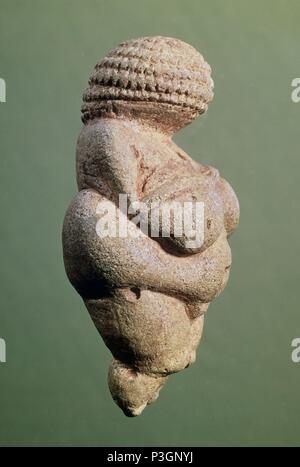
(146, 295)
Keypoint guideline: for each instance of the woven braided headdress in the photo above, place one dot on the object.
(150, 69)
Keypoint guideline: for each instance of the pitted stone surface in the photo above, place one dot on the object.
(147, 296)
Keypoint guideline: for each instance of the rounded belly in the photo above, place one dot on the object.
(97, 265)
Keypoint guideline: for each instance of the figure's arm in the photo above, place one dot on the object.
(106, 159)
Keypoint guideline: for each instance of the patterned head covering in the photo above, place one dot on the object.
(149, 69)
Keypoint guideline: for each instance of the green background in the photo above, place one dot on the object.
(244, 388)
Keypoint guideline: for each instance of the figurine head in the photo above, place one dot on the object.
(159, 80)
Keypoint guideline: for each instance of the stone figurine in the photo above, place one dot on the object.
(147, 296)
